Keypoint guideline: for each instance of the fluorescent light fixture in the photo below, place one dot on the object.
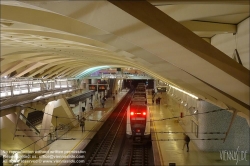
(91, 70)
(184, 92)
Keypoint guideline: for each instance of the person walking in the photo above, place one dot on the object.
(187, 140)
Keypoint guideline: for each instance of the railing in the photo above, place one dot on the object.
(17, 86)
(124, 76)
(26, 121)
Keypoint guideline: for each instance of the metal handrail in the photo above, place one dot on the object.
(30, 123)
(16, 86)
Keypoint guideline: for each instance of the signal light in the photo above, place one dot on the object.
(131, 113)
(144, 113)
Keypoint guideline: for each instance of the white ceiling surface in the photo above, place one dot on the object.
(77, 35)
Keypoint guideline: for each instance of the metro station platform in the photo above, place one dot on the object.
(75, 139)
(167, 150)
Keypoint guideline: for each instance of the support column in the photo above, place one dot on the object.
(80, 113)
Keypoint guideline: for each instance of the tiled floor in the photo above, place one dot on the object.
(171, 151)
(75, 137)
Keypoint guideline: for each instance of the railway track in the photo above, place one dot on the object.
(104, 152)
(136, 155)
(111, 147)
(104, 148)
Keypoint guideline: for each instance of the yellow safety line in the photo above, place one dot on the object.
(158, 146)
(81, 140)
(75, 146)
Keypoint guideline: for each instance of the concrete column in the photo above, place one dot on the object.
(80, 113)
(93, 81)
(47, 120)
(85, 103)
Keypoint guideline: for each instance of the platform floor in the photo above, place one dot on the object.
(169, 151)
(75, 137)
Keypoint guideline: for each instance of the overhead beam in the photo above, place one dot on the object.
(177, 2)
(167, 26)
(14, 67)
(201, 26)
(29, 68)
(49, 65)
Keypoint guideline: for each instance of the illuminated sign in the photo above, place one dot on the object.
(102, 87)
(93, 87)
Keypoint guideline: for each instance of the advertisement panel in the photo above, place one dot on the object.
(102, 87)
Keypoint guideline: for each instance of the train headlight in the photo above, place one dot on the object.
(144, 113)
(132, 113)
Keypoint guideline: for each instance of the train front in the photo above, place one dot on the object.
(139, 123)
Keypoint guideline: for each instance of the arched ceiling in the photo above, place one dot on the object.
(169, 40)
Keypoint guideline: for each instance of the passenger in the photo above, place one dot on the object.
(159, 100)
(113, 98)
(91, 106)
(91, 97)
(82, 124)
(187, 140)
(153, 101)
(103, 102)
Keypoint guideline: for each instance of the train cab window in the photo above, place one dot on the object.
(138, 114)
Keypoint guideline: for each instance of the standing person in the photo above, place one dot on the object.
(91, 98)
(102, 102)
(113, 97)
(159, 99)
(82, 123)
(187, 140)
(91, 106)
(153, 101)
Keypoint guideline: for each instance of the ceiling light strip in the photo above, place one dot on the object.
(184, 92)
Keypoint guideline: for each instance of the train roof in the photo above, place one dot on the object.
(135, 96)
(138, 104)
(139, 99)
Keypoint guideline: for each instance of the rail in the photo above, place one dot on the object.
(104, 149)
